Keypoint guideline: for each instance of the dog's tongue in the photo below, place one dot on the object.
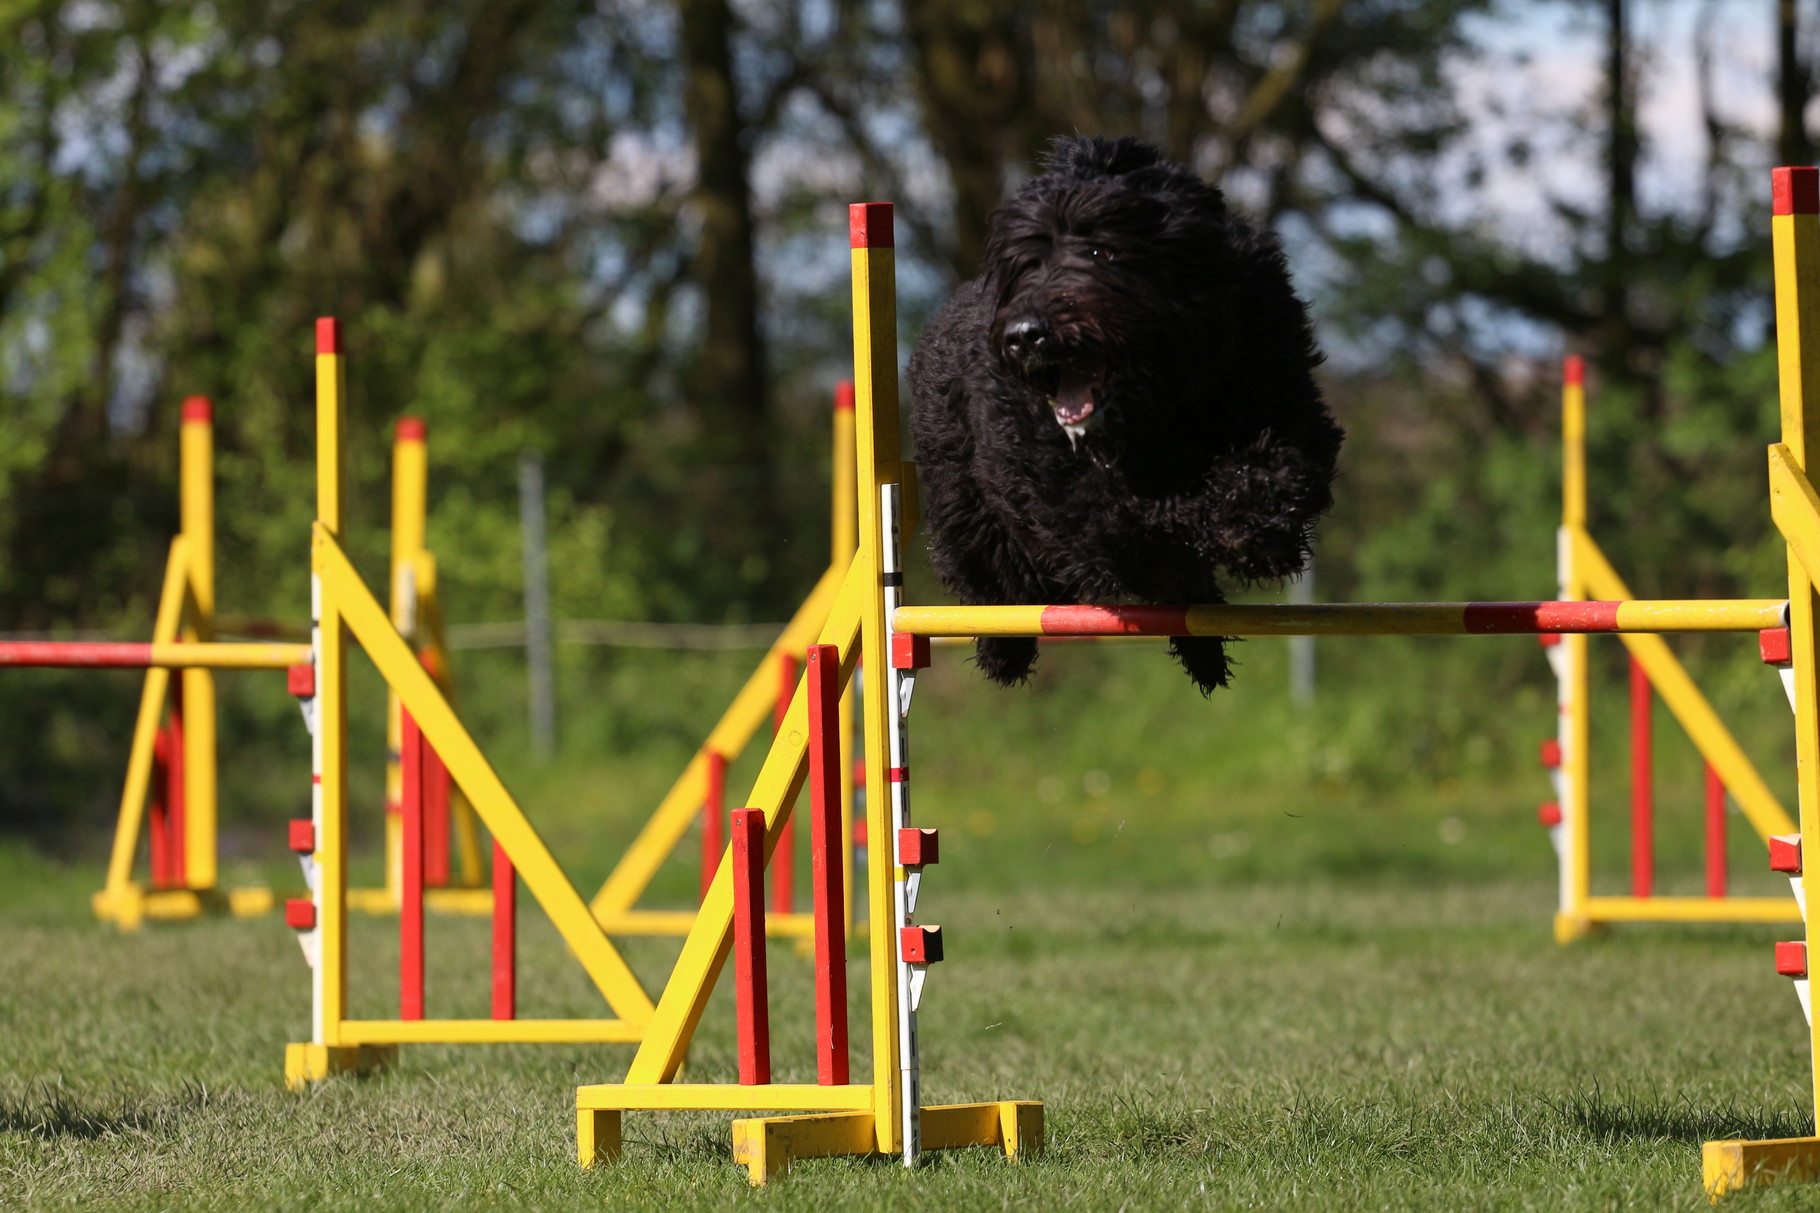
(1073, 402)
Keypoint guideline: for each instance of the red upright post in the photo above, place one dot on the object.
(1642, 789)
(826, 875)
(435, 819)
(410, 891)
(175, 859)
(157, 816)
(713, 812)
(750, 1005)
(505, 934)
(1715, 834)
(435, 796)
(783, 859)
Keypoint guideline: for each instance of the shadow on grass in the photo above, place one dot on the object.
(49, 1112)
(1628, 1116)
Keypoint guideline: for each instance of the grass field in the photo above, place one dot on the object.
(1323, 989)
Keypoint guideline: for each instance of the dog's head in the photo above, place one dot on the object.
(1111, 281)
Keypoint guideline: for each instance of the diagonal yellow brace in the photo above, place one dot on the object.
(750, 709)
(1796, 508)
(145, 731)
(374, 632)
(705, 950)
(1710, 736)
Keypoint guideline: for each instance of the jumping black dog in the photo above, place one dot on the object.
(1122, 405)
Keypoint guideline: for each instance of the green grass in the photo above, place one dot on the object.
(1317, 1045)
(1250, 957)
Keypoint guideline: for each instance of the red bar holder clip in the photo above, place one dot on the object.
(1773, 645)
(918, 847)
(1791, 958)
(300, 914)
(303, 835)
(923, 945)
(1551, 752)
(1549, 814)
(909, 652)
(1785, 853)
(300, 680)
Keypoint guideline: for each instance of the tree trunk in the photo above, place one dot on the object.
(1793, 89)
(729, 387)
(973, 85)
(1621, 167)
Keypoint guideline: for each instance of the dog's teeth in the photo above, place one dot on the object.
(1075, 434)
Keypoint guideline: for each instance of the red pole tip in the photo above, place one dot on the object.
(328, 335)
(869, 225)
(1573, 370)
(843, 396)
(198, 408)
(410, 429)
(1795, 191)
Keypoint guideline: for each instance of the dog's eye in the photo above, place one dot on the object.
(1099, 252)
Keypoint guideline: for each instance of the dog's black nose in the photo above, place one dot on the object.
(1025, 337)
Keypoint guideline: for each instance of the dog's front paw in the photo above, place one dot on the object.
(1204, 657)
(1005, 659)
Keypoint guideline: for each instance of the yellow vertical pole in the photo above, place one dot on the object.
(1575, 695)
(410, 483)
(875, 384)
(329, 639)
(1796, 228)
(197, 511)
(845, 536)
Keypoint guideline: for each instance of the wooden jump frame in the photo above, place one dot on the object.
(884, 1116)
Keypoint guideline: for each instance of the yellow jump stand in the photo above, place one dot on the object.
(1730, 1165)
(182, 784)
(183, 881)
(882, 1116)
(344, 610)
(1584, 574)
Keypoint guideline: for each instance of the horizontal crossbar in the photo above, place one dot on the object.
(1347, 619)
(90, 654)
(487, 1031)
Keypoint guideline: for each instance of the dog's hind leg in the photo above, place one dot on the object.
(1204, 657)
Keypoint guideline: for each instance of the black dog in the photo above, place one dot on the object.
(1121, 404)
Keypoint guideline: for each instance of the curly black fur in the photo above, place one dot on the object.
(1121, 296)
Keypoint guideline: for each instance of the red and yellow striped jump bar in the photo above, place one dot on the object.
(103, 655)
(1347, 619)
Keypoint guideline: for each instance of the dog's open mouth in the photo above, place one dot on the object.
(1079, 401)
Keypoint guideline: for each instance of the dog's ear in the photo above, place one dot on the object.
(1080, 156)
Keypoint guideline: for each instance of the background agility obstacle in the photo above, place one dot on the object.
(170, 785)
(1585, 572)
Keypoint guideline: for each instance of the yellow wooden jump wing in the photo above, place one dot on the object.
(1714, 741)
(779, 780)
(373, 631)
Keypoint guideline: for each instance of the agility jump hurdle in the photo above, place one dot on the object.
(885, 1116)
(343, 609)
(1729, 1165)
(172, 761)
(1586, 573)
(699, 791)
